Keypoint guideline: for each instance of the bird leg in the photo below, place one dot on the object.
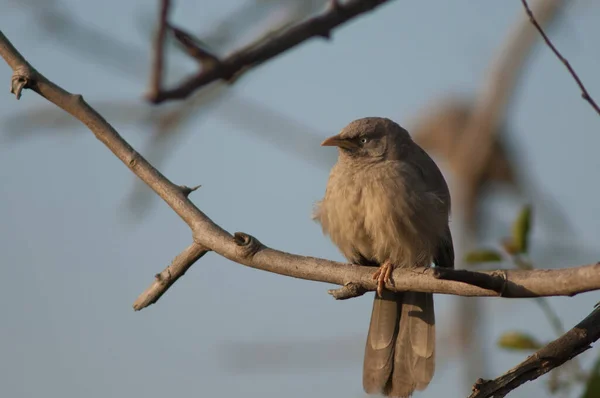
(382, 275)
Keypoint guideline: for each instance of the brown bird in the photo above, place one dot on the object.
(387, 205)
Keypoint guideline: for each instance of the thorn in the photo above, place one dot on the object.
(195, 48)
(326, 35)
(187, 190)
(335, 5)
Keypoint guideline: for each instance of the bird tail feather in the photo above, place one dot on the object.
(400, 349)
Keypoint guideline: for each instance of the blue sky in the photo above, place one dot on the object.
(74, 260)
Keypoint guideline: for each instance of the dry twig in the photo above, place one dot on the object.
(584, 93)
(249, 57)
(159, 44)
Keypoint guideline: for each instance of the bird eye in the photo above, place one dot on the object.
(364, 140)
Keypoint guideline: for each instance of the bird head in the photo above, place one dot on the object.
(369, 138)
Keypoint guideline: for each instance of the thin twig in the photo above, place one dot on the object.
(253, 55)
(165, 279)
(584, 93)
(156, 74)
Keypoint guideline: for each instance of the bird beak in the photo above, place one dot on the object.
(336, 140)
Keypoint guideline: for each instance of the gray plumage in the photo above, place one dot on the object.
(387, 205)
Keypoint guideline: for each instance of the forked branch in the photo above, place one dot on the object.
(255, 54)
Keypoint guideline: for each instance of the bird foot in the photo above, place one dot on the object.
(382, 275)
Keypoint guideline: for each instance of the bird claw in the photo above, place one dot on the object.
(383, 275)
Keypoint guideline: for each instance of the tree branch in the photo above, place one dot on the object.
(166, 278)
(496, 281)
(584, 93)
(159, 44)
(557, 352)
(255, 54)
(247, 250)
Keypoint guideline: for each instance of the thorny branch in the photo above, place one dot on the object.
(584, 93)
(255, 54)
(247, 250)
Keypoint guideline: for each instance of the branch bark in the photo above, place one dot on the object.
(165, 279)
(255, 54)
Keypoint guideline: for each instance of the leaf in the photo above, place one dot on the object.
(515, 340)
(509, 246)
(483, 256)
(521, 229)
(592, 389)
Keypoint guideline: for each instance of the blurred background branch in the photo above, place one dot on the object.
(264, 49)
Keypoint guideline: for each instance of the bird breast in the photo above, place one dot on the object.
(382, 212)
